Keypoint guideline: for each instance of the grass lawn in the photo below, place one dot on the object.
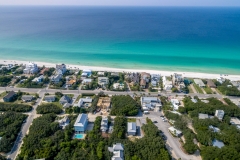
(80, 96)
(131, 119)
(218, 91)
(3, 94)
(198, 89)
(190, 89)
(208, 90)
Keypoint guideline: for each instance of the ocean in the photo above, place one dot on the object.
(194, 39)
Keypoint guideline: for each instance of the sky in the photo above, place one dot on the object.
(124, 2)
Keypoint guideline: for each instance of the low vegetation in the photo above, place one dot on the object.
(227, 88)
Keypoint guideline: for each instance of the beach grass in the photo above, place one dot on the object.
(208, 90)
(198, 89)
(190, 89)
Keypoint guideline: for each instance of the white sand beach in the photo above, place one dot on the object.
(163, 73)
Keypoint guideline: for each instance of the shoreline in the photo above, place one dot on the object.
(162, 73)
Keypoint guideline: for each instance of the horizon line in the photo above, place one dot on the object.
(72, 5)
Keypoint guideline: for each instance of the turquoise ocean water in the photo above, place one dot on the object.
(156, 38)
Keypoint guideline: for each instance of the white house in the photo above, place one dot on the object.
(86, 73)
(81, 122)
(102, 81)
(220, 79)
(118, 86)
(132, 128)
(38, 79)
(31, 68)
(175, 132)
(61, 68)
(104, 124)
(175, 103)
(199, 82)
(150, 102)
(117, 151)
(100, 73)
(167, 85)
(84, 100)
(177, 78)
(86, 81)
(219, 114)
(64, 122)
(56, 78)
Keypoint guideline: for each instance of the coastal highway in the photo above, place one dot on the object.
(173, 143)
(52, 91)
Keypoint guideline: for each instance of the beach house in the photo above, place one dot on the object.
(133, 77)
(175, 103)
(150, 102)
(9, 97)
(64, 122)
(177, 79)
(81, 123)
(86, 81)
(31, 68)
(118, 86)
(145, 76)
(210, 84)
(38, 79)
(50, 98)
(84, 100)
(167, 85)
(219, 114)
(155, 78)
(56, 78)
(199, 82)
(104, 124)
(102, 81)
(220, 79)
(27, 98)
(117, 151)
(175, 132)
(131, 128)
(65, 99)
(61, 68)
(86, 73)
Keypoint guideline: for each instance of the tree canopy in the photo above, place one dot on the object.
(124, 105)
(15, 107)
(10, 125)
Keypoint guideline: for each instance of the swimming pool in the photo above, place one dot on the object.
(79, 136)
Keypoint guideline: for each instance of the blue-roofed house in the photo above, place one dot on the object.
(81, 123)
(217, 143)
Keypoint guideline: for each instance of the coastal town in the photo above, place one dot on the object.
(69, 112)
